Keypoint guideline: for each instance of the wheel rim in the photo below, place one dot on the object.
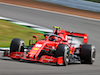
(66, 55)
(21, 46)
(93, 52)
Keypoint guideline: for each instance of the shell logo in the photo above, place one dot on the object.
(33, 52)
(44, 58)
(36, 48)
(14, 54)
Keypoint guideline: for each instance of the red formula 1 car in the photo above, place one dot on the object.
(55, 48)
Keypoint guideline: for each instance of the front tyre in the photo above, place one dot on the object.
(17, 45)
(87, 54)
(63, 50)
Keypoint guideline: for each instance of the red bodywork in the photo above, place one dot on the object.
(40, 45)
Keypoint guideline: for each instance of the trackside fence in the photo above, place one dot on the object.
(79, 4)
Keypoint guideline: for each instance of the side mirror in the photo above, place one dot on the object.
(35, 37)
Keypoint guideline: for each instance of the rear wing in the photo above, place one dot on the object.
(79, 35)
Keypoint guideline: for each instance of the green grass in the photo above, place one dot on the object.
(94, 0)
(8, 31)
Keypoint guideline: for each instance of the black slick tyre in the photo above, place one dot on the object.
(17, 45)
(63, 50)
(87, 54)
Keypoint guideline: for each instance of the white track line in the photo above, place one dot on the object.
(51, 11)
(33, 26)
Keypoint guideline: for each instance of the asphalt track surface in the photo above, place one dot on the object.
(48, 19)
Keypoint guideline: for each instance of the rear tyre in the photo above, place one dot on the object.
(17, 45)
(87, 54)
(63, 50)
